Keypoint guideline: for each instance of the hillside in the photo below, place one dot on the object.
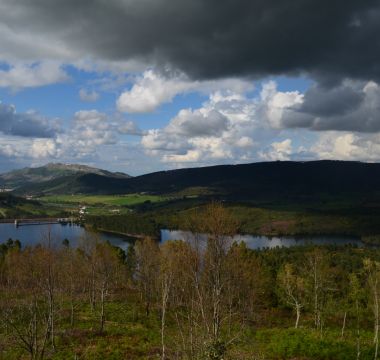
(267, 178)
(13, 207)
(51, 173)
(257, 180)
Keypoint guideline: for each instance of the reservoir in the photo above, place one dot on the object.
(30, 235)
(262, 242)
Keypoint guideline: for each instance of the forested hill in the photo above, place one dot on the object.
(265, 179)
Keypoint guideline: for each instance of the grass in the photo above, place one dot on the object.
(283, 343)
(100, 204)
(110, 200)
(3, 213)
(32, 210)
(129, 334)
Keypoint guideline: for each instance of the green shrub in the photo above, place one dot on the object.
(289, 344)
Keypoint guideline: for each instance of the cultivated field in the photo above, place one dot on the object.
(113, 200)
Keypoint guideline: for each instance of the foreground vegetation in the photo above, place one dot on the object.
(188, 300)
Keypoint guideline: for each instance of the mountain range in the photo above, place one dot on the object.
(280, 178)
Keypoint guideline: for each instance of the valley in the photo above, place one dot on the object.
(267, 230)
(272, 199)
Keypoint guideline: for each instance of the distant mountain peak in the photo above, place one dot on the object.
(51, 171)
(74, 167)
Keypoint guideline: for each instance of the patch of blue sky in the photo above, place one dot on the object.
(58, 100)
(4, 66)
(300, 137)
(284, 83)
(101, 81)
(52, 100)
(300, 84)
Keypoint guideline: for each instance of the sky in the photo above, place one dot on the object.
(147, 85)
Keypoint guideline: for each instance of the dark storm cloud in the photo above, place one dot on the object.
(324, 101)
(25, 124)
(349, 106)
(197, 124)
(214, 38)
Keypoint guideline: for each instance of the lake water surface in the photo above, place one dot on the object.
(35, 234)
(260, 242)
(30, 235)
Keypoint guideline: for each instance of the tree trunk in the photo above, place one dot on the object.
(216, 298)
(72, 313)
(102, 312)
(163, 314)
(92, 289)
(357, 330)
(344, 323)
(51, 319)
(376, 310)
(298, 310)
(317, 317)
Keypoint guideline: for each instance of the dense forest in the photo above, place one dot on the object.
(195, 299)
(269, 220)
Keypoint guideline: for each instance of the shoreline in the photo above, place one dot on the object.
(11, 221)
(126, 235)
(364, 239)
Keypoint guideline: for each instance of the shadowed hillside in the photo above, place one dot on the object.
(258, 180)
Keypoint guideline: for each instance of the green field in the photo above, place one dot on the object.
(100, 204)
(112, 200)
(18, 207)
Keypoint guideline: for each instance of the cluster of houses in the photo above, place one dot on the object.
(5, 190)
(82, 212)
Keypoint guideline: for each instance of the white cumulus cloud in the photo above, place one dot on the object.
(153, 89)
(21, 75)
(278, 151)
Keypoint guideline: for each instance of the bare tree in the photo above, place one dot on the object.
(292, 289)
(318, 283)
(87, 245)
(217, 226)
(186, 298)
(246, 289)
(25, 309)
(107, 270)
(170, 262)
(147, 269)
(372, 270)
(72, 279)
(355, 296)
